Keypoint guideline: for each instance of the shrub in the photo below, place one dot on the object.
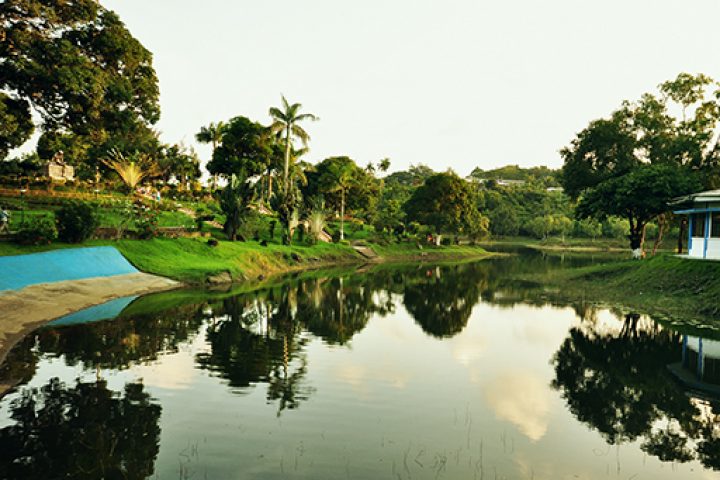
(76, 222)
(147, 222)
(37, 231)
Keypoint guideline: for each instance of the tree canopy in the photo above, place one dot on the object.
(245, 147)
(80, 69)
(444, 202)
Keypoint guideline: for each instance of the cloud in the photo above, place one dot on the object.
(521, 398)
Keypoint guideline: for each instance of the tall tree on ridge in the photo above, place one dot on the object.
(286, 120)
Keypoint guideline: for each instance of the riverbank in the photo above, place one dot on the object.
(194, 262)
(678, 290)
(26, 309)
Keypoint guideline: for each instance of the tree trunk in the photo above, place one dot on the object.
(662, 222)
(680, 236)
(342, 214)
(637, 237)
(287, 157)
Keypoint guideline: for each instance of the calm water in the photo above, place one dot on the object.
(423, 372)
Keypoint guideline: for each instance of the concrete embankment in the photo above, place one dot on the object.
(41, 287)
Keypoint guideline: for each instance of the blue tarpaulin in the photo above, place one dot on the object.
(21, 271)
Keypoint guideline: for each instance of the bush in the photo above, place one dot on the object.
(147, 222)
(37, 231)
(76, 222)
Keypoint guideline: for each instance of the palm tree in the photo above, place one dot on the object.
(384, 164)
(339, 176)
(211, 134)
(286, 120)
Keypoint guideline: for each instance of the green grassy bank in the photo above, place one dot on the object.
(677, 289)
(193, 261)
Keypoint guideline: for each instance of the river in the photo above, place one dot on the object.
(456, 371)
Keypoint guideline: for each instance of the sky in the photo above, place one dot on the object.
(450, 84)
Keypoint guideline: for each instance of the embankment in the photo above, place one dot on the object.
(681, 290)
(193, 261)
(40, 287)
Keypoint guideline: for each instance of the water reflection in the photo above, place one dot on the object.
(616, 381)
(290, 345)
(80, 431)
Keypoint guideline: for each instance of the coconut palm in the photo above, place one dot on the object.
(211, 134)
(286, 120)
(132, 169)
(339, 176)
(384, 164)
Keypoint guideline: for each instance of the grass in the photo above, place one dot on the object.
(678, 290)
(192, 260)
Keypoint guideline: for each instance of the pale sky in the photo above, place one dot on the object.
(455, 83)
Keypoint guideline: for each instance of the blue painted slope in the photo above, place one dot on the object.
(105, 311)
(20, 271)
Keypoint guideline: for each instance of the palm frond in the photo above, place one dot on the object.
(300, 133)
(307, 116)
(132, 170)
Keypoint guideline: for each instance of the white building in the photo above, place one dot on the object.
(703, 211)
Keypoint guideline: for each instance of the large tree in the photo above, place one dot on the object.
(245, 147)
(80, 69)
(638, 196)
(446, 203)
(641, 133)
(285, 123)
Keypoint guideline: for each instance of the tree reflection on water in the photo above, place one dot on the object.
(85, 431)
(613, 379)
(616, 381)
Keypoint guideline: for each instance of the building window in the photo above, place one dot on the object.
(715, 225)
(698, 227)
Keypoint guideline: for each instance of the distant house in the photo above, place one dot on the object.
(703, 211)
(56, 169)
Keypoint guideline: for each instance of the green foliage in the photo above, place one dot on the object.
(638, 196)
(504, 221)
(179, 162)
(146, 221)
(614, 227)
(285, 125)
(245, 148)
(607, 147)
(545, 175)
(81, 70)
(15, 123)
(235, 201)
(338, 178)
(316, 225)
(76, 222)
(587, 228)
(39, 230)
(445, 202)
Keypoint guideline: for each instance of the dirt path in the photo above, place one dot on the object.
(21, 311)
